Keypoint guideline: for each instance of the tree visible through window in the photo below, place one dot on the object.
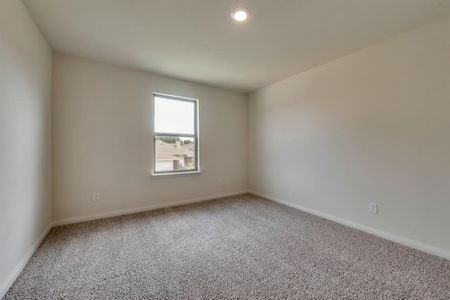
(175, 134)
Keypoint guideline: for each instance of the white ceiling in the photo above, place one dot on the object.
(196, 39)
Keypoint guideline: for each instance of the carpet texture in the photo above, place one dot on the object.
(239, 247)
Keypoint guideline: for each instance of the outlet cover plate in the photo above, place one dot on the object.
(373, 207)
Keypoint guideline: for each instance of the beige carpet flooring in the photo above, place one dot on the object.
(241, 247)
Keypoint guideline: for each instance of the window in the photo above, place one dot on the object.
(175, 134)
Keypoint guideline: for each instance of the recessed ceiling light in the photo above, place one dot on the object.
(239, 14)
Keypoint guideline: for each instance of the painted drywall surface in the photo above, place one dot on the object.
(25, 103)
(102, 139)
(371, 126)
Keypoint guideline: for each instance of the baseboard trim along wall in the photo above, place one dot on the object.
(7, 283)
(4, 287)
(142, 209)
(380, 233)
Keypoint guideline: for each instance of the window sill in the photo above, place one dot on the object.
(176, 173)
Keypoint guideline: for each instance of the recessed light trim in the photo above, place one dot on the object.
(240, 14)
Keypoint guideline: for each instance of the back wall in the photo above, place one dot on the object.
(102, 140)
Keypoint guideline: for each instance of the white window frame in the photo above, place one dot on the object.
(195, 136)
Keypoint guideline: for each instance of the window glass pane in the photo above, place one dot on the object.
(174, 154)
(174, 116)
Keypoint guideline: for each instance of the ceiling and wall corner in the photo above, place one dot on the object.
(168, 37)
(197, 40)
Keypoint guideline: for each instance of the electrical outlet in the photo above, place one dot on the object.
(95, 197)
(373, 207)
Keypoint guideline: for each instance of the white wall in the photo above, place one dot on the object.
(25, 98)
(371, 126)
(102, 139)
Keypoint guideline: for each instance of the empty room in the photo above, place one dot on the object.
(224, 149)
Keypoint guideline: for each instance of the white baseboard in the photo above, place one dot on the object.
(7, 283)
(145, 208)
(380, 233)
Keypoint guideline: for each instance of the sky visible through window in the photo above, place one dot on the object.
(174, 116)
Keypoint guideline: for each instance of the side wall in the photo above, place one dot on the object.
(102, 129)
(371, 126)
(25, 102)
